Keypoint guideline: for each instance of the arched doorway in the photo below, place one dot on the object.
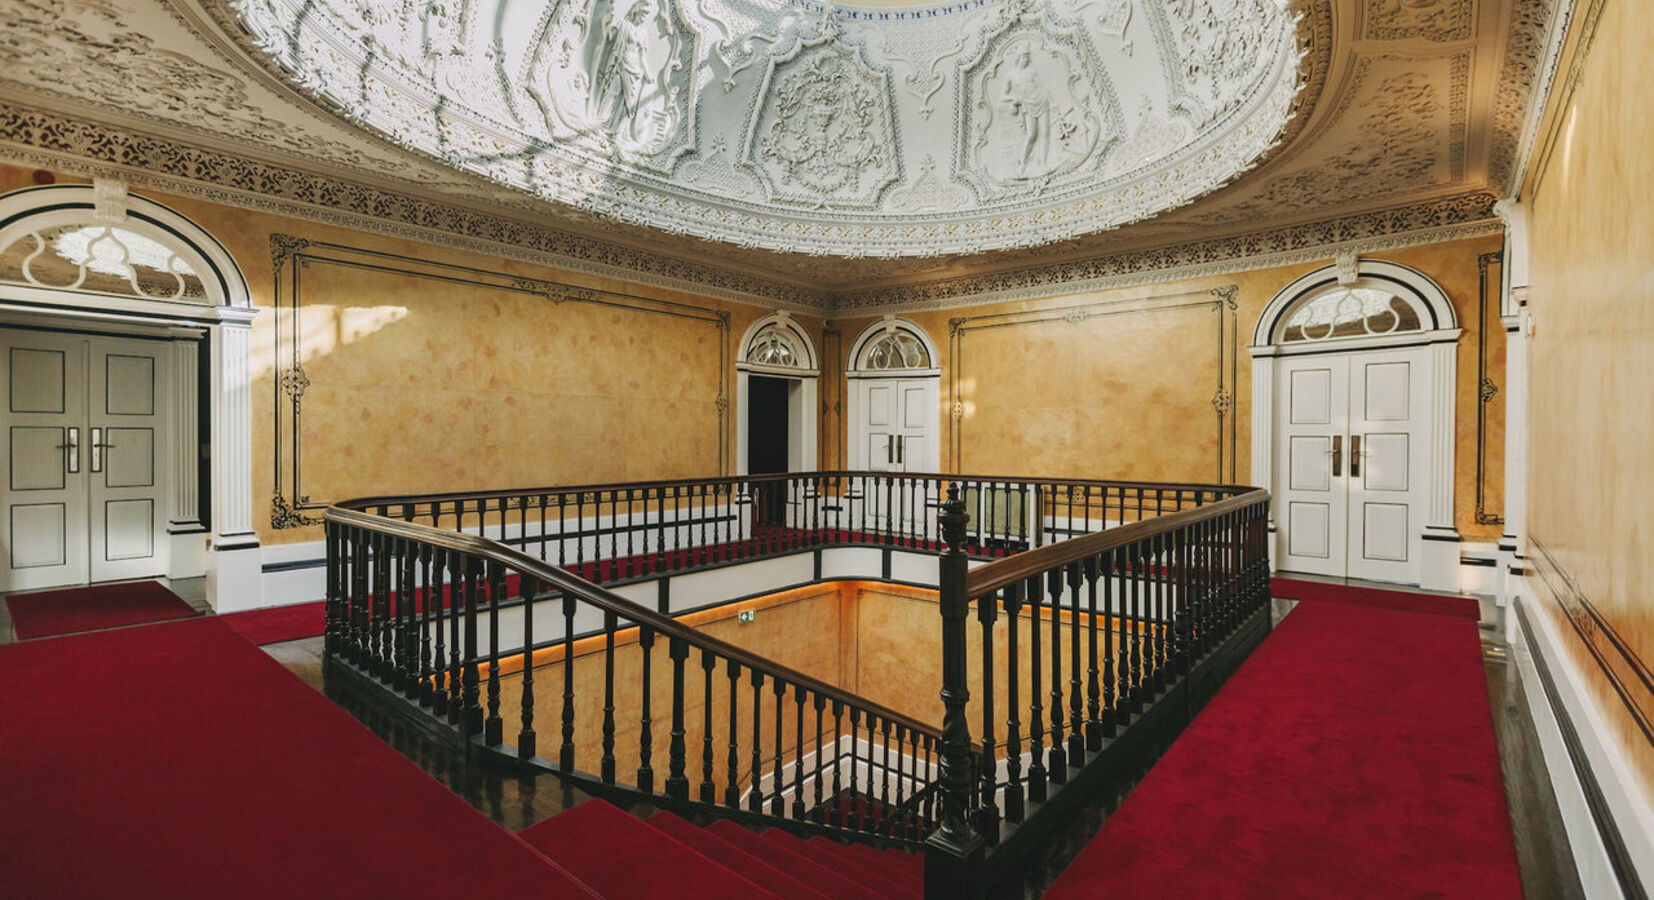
(1353, 410)
(124, 332)
(777, 383)
(895, 377)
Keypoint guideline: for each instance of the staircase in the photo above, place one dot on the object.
(621, 856)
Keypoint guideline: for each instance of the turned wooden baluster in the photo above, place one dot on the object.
(732, 788)
(777, 799)
(646, 737)
(1013, 725)
(1036, 711)
(798, 754)
(494, 726)
(987, 613)
(565, 753)
(607, 765)
(677, 785)
(709, 792)
(526, 589)
(1076, 711)
(755, 799)
(1093, 689)
(1058, 754)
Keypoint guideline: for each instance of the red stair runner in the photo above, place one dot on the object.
(619, 855)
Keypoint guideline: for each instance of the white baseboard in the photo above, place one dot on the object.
(1596, 789)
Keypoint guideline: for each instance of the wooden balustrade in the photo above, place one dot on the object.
(485, 612)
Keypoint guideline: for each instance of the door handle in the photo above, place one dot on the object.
(98, 446)
(71, 450)
(1337, 455)
(889, 449)
(1355, 456)
(901, 449)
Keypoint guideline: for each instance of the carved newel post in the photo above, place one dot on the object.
(954, 853)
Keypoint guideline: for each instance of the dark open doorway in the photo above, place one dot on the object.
(767, 444)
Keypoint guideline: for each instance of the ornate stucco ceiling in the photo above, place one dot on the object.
(792, 126)
(1408, 115)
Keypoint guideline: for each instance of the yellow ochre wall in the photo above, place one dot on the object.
(420, 384)
(1128, 390)
(1590, 495)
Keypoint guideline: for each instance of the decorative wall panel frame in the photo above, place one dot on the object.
(292, 256)
(1220, 300)
(1486, 388)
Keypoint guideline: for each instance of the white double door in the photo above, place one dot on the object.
(84, 457)
(1352, 449)
(898, 424)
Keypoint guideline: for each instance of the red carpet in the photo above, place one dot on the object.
(1409, 601)
(181, 761)
(95, 606)
(1351, 756)
(621, 855)
(279, 623)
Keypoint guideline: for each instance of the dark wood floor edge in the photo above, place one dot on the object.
(1602, 817)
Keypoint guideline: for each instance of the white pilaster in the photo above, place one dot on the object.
(234, 576)
(1263, 436)
(1439, 562)
(186, 533)
(1513, 304)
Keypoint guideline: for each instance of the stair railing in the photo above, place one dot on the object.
(467, 630)
(1140, 611)
(618, 533)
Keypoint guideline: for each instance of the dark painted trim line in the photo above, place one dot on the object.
(1619, 858)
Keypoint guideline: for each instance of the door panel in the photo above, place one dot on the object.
(43, 526)
(38, 540)
(128, 522)
(1313, 497)
(1388, 440)
(1384, 532)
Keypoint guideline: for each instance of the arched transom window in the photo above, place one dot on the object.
(1355, 311)
(108, 259)
(896, 349)
(775, 345)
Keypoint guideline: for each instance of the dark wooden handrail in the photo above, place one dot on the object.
(361, 503)
(609, 601)
(1040, 560)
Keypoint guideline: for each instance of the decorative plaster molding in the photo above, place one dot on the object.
(83, 148)
(1533, 50)
(1430, 20)
(622, 91)
(1454, 218)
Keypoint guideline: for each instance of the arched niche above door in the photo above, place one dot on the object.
(893, 346)
(778, 342)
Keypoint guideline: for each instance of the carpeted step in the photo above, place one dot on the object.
(815, 872)
(621, 856)
(872, 877)
(752, 867)
(905, 868)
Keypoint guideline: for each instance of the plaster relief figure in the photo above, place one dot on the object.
(1035, 123)
(617, 75)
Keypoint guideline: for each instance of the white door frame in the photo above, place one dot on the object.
(802, 401)
(1439, 558)
(229, 554)
(855, 437)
